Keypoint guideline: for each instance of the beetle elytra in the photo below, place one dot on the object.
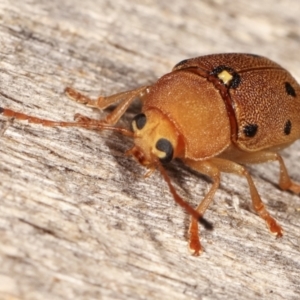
(215, 113)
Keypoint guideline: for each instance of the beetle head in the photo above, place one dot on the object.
(155, 138)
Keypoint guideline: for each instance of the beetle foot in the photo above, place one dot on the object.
(295, 188)
(194, 238)
(81, 118)
(76, 96)
(195, 246)
(274, 227)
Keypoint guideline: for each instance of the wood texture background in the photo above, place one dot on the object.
(77, 218)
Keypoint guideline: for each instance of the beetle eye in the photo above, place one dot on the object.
(166, 147)
(139, 121)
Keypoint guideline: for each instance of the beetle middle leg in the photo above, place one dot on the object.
(126, 99)
(228, 166)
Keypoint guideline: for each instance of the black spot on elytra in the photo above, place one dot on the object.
(236, 78)
(289, 89)
(180, 63)
(287, 127)
(250, 130)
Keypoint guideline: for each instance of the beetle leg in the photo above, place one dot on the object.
(211, 170)
(84, 122)
(81, 118)
(126, 99)
(285, 182)
(228, 166)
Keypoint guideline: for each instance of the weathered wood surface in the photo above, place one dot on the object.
(77, 218)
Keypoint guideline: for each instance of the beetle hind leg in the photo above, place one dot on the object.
(285, 182)
(294, 187)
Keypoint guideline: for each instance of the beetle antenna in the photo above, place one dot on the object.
(87, 123)
(183, 203)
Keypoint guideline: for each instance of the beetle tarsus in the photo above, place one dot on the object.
(194, 238)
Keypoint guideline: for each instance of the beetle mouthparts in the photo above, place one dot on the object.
(139, 155)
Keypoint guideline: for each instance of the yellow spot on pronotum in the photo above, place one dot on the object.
(225, 76)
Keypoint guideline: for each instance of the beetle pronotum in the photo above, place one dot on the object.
(216, 113)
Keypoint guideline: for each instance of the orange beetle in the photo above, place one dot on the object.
(215, 113)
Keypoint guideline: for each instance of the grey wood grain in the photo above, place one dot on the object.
(77, 218)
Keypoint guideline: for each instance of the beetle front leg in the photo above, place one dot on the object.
(209, 169)
(126, 99)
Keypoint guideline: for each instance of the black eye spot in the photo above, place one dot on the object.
(289, 89)
(140, 121)
(165, 146)
(287, 127)
(250, 130)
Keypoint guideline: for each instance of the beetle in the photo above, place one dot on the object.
(215, 113)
